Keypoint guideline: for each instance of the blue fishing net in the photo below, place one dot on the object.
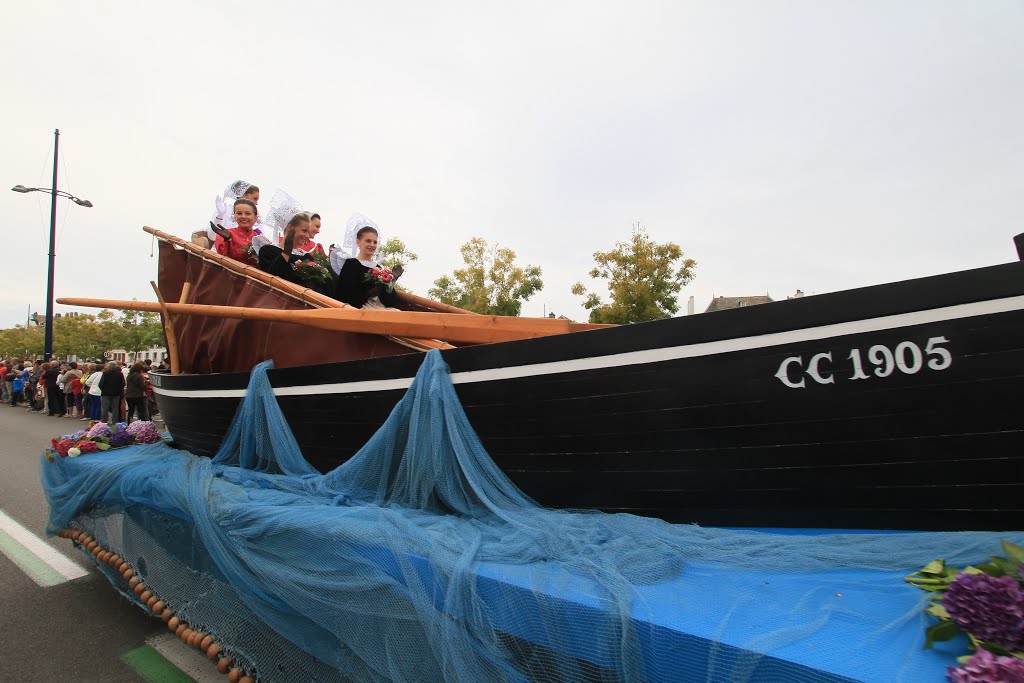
(418, 560)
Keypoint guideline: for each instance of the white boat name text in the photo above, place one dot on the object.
(907, 357)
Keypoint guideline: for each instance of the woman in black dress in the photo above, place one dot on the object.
(352, 286)
(282, 261)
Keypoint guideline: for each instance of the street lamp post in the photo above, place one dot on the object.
(54, 193)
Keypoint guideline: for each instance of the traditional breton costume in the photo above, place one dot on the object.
(238, 246)
(224, 209)
(283, 207)
(351, 286)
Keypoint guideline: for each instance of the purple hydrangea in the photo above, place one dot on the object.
(120, 438)
(147, 434)
(100, 429)
(985, 667)
(137, 426)
(989, 608)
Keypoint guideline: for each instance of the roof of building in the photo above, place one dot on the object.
(722, 303)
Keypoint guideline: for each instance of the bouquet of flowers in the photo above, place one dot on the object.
(102, 437)
(382, 277)
(987, 604)
(250, 249)
(313, 273)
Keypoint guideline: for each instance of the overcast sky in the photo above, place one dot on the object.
(816, 145)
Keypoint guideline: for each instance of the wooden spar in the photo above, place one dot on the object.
(303, 294)
(168, 320)
(478, 329)
(430, 304)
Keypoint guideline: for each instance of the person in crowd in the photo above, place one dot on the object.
(17, 387)
(151, 404)
(67, 380)
(87, 370)
(135, 392)
(223, 215)
(34, 387)
(95, 393)
(111, 393)
(50, 379)
(352, 287)
(77, 398)
(5, 392)
(236, 242)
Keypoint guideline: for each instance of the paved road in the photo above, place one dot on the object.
(73, 630)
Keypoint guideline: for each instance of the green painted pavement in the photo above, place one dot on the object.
(152, 666)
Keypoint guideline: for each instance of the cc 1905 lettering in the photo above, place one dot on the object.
(879, 361)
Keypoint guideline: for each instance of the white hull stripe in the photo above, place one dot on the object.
(658, 355)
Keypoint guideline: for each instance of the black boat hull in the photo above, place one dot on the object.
(895, 406)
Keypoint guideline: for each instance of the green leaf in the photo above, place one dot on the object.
(1005, 565)
(102, 446)
(940, 632)
(937, 610)
(972, 570)
(920, 581)
(1014, 552)
(936, 567)
(991, 569)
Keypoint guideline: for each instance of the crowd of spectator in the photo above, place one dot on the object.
(104, 392)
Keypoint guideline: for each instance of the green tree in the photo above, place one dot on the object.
(138, 330)
(73, 335)
(19, 341)
(393, 253)
(491, 283)
(644, 279)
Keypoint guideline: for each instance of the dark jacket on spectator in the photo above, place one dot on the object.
(112, 383)
(135, 385)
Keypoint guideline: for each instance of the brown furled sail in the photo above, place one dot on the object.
(230, 345)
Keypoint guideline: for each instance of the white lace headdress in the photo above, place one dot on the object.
(236, 189)
(224, 211)
(283, 208)
(354, 224)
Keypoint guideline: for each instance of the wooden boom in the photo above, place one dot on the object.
(477, 329)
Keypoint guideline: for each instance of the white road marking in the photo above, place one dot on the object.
(28, 551)
(191, 661)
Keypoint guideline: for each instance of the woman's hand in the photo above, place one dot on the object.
(221, 230)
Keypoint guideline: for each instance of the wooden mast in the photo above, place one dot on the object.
(478, 329)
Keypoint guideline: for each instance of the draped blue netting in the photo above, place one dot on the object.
(418, 560)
